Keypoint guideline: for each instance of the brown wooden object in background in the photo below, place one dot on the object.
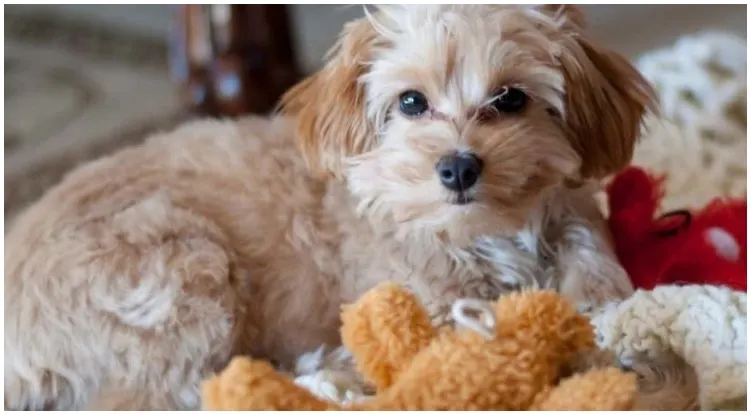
(233, 59)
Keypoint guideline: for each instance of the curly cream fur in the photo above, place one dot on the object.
(144, 271)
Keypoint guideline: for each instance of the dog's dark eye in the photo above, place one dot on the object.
(412, 103)
(509, 100)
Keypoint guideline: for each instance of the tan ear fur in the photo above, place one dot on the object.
(330, 105)
(606, 98)
(572, 13)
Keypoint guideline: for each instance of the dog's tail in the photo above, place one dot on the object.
(666, 383)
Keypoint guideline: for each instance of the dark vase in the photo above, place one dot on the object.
(231, 60)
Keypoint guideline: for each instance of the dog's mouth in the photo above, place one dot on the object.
(461, 199)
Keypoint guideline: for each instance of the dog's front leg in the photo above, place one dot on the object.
(588, 270)
(331, 373)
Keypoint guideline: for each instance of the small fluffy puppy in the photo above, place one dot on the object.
(452, 149)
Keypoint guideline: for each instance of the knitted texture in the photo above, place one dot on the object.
(699, 141)
(706, 325)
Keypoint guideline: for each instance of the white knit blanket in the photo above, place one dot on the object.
(700, 139)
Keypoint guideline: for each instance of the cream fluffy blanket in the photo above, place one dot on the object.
(700, 140)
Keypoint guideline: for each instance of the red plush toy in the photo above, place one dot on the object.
(679, 247)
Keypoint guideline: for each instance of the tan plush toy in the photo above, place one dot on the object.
(511, 357)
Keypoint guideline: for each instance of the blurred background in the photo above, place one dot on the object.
(84, 80)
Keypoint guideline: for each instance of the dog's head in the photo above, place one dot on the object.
(454, 119)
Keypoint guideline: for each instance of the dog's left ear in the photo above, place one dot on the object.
(329, 106)
(606, 96)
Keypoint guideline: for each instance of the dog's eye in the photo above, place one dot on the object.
(412, 103)
(509, 100)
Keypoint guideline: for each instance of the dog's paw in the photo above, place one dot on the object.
(339, 359)
(335, 386)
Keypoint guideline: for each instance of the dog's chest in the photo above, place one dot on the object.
(441, 276)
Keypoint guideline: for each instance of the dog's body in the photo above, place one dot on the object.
(157, 264)
(149, 269)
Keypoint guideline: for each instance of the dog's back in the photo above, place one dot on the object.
(124, 274)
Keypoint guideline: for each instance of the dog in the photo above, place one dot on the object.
(453, 149)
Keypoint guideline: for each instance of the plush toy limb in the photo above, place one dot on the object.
(545, 322)
(607, 389)
(384, 330)
(250, 385)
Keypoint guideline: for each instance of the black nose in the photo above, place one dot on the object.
(459, 172)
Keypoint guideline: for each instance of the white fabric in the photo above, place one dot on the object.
(700, 140)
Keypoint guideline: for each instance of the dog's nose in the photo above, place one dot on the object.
(459, 172)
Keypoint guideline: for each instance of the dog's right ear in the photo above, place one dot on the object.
(329, 106)
(606, 98)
